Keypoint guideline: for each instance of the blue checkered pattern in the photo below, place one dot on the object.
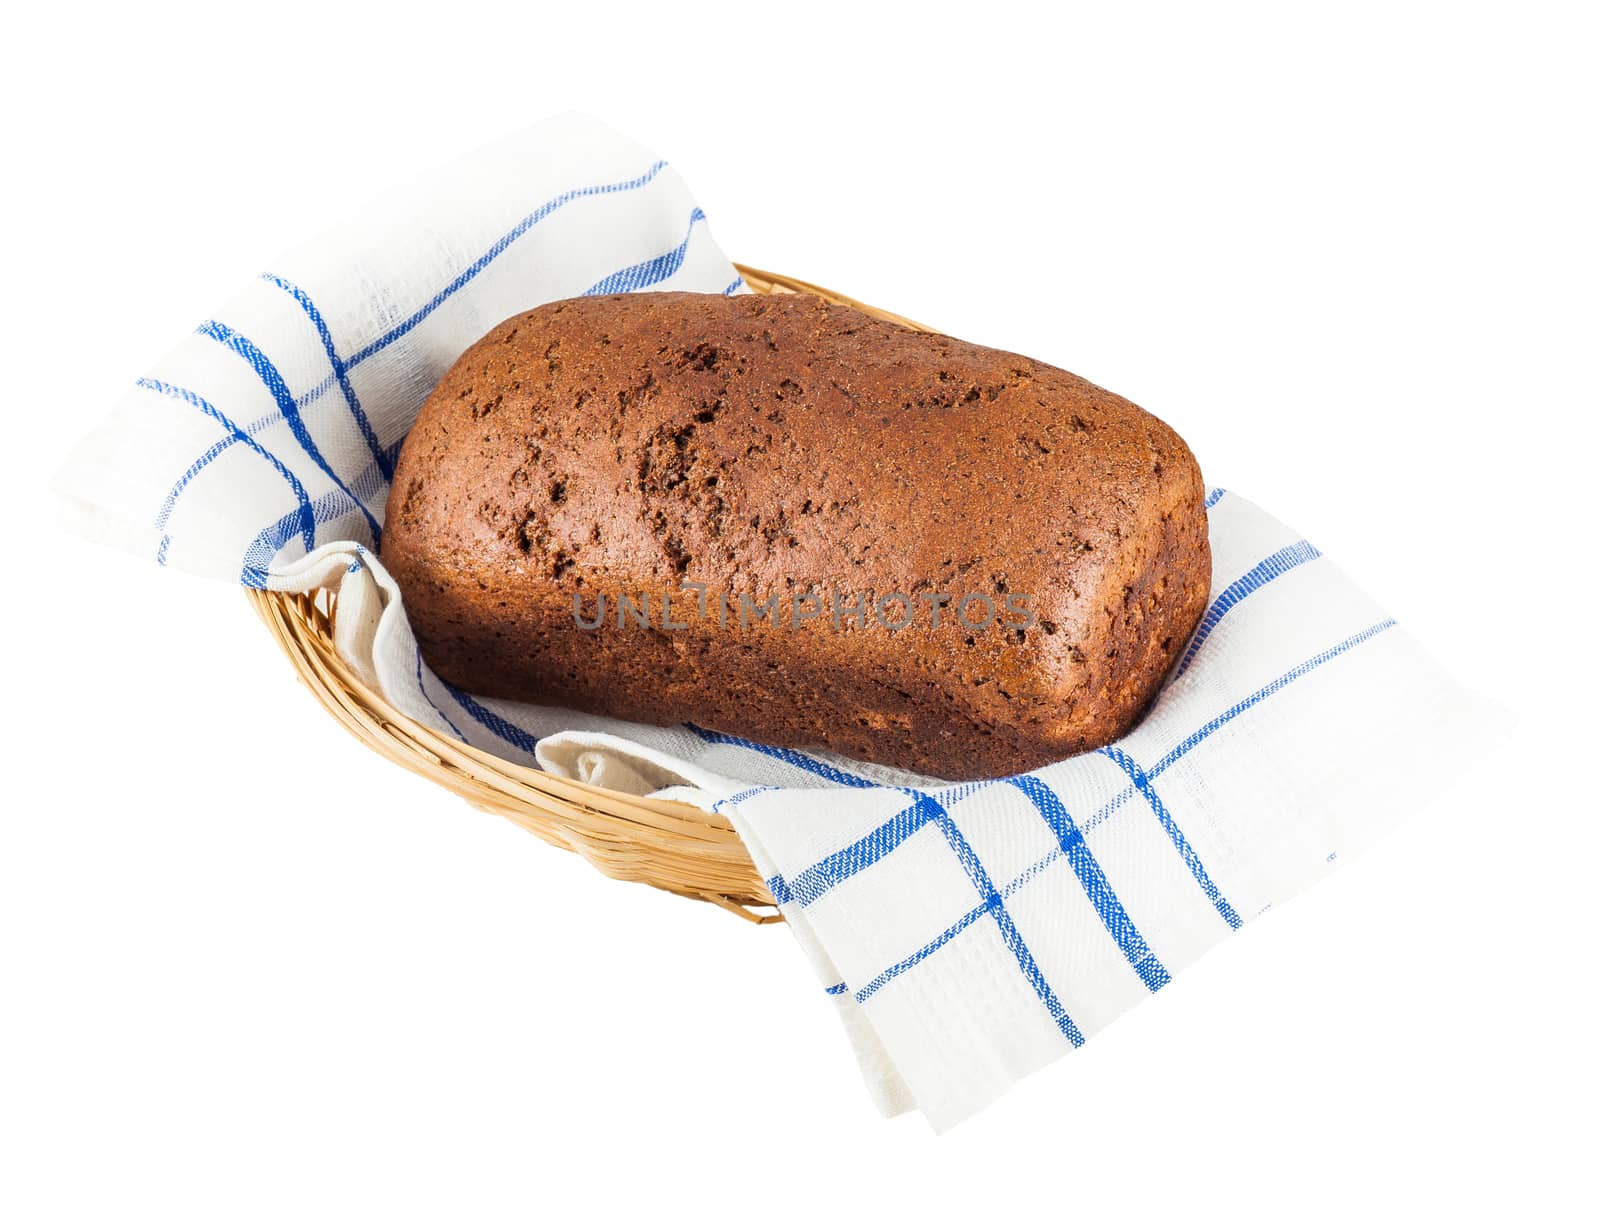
(971, 932)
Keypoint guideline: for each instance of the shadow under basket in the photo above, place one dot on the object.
(672, 846)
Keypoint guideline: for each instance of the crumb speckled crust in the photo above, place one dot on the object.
(627, 444)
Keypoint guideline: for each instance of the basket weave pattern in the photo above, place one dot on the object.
(676, 847)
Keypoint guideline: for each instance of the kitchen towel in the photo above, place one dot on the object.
(968, 933)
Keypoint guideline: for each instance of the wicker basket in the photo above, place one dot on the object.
(667, 845)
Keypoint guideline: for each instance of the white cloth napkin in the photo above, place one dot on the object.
(968, 933)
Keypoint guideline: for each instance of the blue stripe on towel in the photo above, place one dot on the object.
(497, 724)
(1093, 878)
(264, 548)
(793, 757)
(194, 469)
(281, 395)
(989, 902)
(739, 797)
(302, 515)
(648, 273)
(1266, 692)
(426, 698)
(499, 246)
(860, 854)
(340, 372)
(1270, 569)
(922, 953)
(1141, 780)
(210, 454)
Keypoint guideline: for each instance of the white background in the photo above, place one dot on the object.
(1351, 256)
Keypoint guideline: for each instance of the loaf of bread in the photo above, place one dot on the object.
(786, 520)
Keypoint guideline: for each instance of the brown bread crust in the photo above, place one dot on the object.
(627, 444)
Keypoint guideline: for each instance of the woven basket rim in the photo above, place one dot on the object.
(664, 843)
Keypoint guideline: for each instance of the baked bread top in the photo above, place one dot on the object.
(759, 446)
